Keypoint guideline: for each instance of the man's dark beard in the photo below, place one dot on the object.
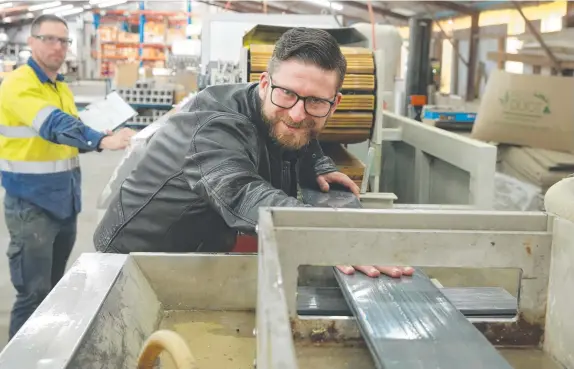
(273, 134)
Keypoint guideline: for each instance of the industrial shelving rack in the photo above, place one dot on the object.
(147, 48)
(127, 20)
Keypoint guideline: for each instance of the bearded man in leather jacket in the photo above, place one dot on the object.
(233, 149)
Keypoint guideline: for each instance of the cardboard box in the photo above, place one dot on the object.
(126, 75)
(527, 110)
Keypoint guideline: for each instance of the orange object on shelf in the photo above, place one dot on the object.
(418, 100)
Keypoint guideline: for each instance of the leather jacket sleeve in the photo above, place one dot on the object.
(321, 163)
(314, 163)
(221, 166)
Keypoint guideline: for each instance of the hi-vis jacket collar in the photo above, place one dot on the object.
(40, 73)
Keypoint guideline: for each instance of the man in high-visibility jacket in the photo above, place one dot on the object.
(40, 139)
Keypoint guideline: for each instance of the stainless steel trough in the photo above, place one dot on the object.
(237, 311)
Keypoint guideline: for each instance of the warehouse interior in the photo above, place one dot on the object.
(457, 124)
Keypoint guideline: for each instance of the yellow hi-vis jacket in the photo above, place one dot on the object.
(40, 139)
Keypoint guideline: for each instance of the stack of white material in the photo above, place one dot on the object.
(560, 43)
(525, 174)
(542, 168)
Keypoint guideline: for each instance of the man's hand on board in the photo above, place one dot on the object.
(339, 178)
(375, 271)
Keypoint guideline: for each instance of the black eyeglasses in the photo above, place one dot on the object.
(286, 99)
(52, 40)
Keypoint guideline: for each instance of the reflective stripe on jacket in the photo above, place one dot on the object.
(33, 166)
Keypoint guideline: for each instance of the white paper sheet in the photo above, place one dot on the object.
(107, 114)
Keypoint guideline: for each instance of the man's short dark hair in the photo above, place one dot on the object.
(312, 46)
(37, 23)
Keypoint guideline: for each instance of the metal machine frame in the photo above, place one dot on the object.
(289, 238)
(473, 156)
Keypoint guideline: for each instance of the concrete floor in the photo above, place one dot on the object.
(96, 171)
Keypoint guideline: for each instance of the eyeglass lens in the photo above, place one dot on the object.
(286, 99)
(53, 40)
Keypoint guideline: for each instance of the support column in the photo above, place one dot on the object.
(472, 57)
(419, 71)
(189, 21)
(568, 21)
(142, 31)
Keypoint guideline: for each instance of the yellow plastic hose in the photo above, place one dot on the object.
(165, 340)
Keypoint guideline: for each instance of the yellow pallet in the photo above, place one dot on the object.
(357, 102)
(350, 120)
(356, 52)
(359, 82)
(359, 60)
(345, 135)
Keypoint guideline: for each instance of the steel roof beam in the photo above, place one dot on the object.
(454, 6)
(380, 11)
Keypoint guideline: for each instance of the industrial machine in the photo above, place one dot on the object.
(287, 308)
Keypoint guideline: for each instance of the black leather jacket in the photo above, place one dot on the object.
(203, 177)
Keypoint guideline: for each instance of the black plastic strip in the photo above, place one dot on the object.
(408, 323)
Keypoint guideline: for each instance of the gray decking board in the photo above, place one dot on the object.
(408, 323)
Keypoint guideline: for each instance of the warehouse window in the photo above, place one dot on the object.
(446, 67)
(551, 23)
(513, 44)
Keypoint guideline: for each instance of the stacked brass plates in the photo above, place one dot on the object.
(354, 117)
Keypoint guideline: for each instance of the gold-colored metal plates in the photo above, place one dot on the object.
(347, 127)
(350, 120)
(359, 60)
(347, 136)
(359, 82)
(357, 102)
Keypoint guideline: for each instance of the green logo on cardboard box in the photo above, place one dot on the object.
(524, 102)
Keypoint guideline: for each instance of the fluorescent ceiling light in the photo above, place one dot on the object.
(87, 7)
(93, 2)
(58, 9)
(17, 18)
(327, 4)
(112, 3)
(33, 8)
(6, 5)
(70, 12)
